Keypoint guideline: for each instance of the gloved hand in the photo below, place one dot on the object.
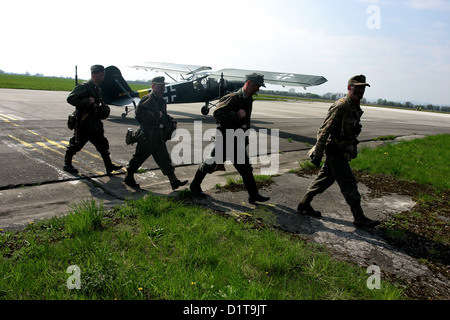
(315, 160)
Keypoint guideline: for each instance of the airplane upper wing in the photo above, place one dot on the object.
(171, 67)
(279, 78)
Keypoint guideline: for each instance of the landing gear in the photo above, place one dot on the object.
(205, 109)
(127, 111)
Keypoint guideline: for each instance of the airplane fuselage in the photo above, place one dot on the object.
(200, 90)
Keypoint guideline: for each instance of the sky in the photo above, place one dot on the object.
(402, 47)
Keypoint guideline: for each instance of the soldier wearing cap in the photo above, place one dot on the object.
(90, 111)
(337, 139)
(233, 112)
(151, 114)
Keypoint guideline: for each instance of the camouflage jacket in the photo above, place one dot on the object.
(151, 112)
(86, 112)
(340, 129)
(226, 111)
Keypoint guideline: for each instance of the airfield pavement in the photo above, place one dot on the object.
(34, 134)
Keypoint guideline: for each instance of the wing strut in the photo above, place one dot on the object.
(222, 89)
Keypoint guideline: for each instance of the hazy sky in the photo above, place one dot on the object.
(403, 47)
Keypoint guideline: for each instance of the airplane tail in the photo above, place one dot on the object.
(115, 90)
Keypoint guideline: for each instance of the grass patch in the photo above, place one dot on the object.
(424, 161)
(235, 183)
(14, 81)
(385, 138)
(159, 248)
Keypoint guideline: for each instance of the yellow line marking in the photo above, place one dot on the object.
(51, 141)
(8, 117)
(85, 151)
(26, 144)
(8, 121)
(43, 145)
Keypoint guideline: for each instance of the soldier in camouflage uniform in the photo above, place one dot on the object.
(233, 112)
(90, 111)
(151, 114)
(337, 138)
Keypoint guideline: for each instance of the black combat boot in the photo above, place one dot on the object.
(68, 167)
(195, 186)
(110, 167)
(250, 184)
(175, 183)
(361, 221)
(129, 180)
(306, 208)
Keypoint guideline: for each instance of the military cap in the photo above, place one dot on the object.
(358, 81)
(256, 78)
(97, 68)
(158, 80)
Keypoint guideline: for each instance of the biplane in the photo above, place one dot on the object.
(193, 84)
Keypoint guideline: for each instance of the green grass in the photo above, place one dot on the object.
(425, 161)
(13, 81)
(36, 83)
(159, 248)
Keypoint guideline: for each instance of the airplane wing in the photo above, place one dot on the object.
(171, 67)
(278, 78)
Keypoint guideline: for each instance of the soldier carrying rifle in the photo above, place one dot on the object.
(90, 111)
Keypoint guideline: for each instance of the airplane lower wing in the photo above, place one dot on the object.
(278, 78)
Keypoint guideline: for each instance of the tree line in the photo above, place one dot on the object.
(379, 102)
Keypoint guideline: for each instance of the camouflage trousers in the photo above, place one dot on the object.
(336, 168)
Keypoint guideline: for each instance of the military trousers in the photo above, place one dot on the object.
(156, 147)
(336, 168)
(241, 162)
(96, 137)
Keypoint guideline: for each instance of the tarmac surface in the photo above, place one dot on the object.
(33, 137)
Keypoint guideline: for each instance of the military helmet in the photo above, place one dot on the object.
(103, 111)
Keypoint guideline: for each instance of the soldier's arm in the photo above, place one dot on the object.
(79, 97)
(333, 117)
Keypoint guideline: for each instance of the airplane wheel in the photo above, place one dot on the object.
(124, 115)
(205, 110)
